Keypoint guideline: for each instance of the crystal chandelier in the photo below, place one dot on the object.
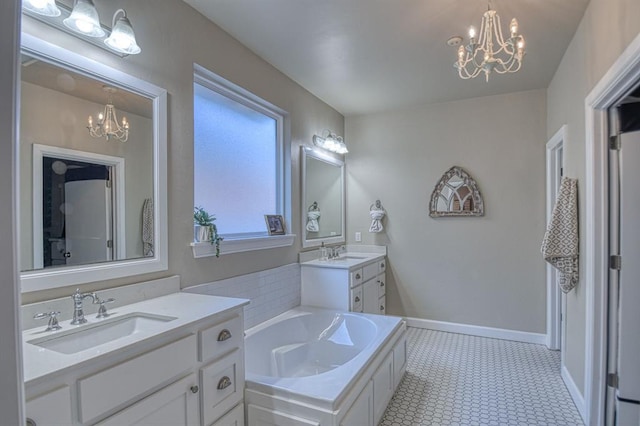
(107, 126)
(490, 52)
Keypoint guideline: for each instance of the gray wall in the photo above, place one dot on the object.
(173, 36)
(484, 271)
(11, 383)
(606, 29)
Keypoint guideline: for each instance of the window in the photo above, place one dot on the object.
(239, 161)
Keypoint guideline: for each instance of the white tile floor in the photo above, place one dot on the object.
(454, 379)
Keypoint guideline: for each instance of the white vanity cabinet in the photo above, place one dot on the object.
(357, 283)
(190, 375)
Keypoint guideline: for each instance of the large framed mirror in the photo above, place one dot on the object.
(323, 198)
(92, 187)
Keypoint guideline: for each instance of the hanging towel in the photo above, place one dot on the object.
(377, 213)
(561, 241)
(312, 221)
(147, 227)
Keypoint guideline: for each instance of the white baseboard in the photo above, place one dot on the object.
(476, 330)
(577, 397)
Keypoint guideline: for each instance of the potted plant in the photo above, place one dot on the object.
(205, 229)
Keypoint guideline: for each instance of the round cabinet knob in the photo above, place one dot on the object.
(194, 389)
(357, 299)
(358, 276)
(381, 283)
(382, 265)
(381, 308)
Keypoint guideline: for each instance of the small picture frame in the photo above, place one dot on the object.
(275, 224)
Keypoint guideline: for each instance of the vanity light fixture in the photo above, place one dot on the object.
(122, 38)
(42, 7)
(83, 21)
(331, 142)
(490, 52)
(107, 126)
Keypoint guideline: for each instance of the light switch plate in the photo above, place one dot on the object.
(358, 237)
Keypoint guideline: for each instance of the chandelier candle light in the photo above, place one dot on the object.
(107, 125)
(490, 52)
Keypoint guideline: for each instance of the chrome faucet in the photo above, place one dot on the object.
(78, 312)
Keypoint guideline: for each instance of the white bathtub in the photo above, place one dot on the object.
(310, 366)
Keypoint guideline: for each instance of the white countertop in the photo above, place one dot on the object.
(187, 308)
(349, 260)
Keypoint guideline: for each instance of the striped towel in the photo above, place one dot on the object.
(561, 241)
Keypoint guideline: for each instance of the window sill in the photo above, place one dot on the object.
(240, 245)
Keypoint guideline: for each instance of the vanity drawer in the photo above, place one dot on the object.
(355, 277)
(220, 338)
(124, 382)
(382, 265)
(356, 299)
(382, 285)
(369, 271)
(222, 385)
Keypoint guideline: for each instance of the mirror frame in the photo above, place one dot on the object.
(308, 152)
(43, 279)
(474, 193)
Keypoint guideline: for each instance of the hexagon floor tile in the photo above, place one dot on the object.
(455, 379)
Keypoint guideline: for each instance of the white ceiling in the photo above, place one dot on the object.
(362, 56)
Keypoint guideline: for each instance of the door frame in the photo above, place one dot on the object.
(118, 164)
(619, 79)
(555, 298)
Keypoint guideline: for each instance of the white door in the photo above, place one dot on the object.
(87, 216)
(629, 287)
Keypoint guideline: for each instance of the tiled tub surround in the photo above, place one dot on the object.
(271, 292)
(312, 366)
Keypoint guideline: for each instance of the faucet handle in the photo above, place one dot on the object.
(102, 310)
(53, 319)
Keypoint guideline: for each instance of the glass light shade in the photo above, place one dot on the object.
(122, 38)
(84, 19)
(42, 7)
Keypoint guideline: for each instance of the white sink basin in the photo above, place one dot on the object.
(92, 335)
(348, 257)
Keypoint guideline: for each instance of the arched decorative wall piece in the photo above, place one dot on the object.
(456, 194)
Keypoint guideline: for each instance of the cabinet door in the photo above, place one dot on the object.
(174, 405)
(361, 412)
(382, 387)
(234, 417)
(50, 409)
(370, 297)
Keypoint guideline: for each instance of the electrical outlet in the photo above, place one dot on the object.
(358, 237)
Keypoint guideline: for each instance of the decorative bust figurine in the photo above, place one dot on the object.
(377, 213)
(313, 215)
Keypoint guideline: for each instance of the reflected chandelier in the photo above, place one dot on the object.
(490, 52)
(107, 126)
